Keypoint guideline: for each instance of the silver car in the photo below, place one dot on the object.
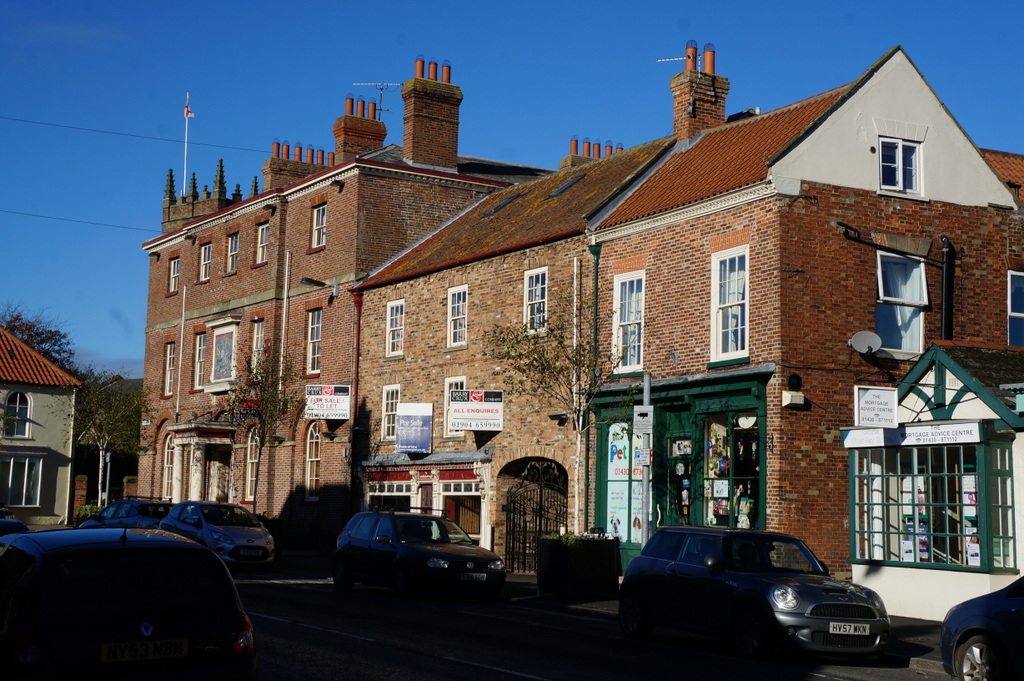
(235, 534)
(761, 591)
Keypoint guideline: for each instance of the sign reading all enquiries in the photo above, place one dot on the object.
(476, 410)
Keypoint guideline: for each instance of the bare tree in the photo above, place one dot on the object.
(265, 398)
(556, 358)
(41, 333)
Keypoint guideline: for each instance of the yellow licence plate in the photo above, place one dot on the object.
(137, 651)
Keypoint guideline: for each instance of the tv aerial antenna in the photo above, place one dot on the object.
(381, 89)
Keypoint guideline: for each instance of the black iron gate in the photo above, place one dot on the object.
(537, 505)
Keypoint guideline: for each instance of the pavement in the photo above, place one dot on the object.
(913, 642)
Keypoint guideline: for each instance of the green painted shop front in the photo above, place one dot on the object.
(707, 455)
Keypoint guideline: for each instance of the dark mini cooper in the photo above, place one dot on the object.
(761, 591)
(414, 553)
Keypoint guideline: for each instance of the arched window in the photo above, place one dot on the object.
(313, 462)
(16, 423)
(252, 462)
(168, 486)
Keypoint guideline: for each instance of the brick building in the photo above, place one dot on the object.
(267, 276)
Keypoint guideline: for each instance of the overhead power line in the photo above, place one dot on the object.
(83, 222)
(128, 134)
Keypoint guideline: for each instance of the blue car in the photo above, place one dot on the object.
(981, 637)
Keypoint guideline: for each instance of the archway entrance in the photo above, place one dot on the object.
(536, 505)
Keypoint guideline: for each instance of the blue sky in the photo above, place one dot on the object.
(77, 202)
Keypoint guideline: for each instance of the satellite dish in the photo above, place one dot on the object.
(865, 342)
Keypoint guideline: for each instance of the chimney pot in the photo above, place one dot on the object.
(309, 155)
(596, 149)
(419, 65)
(319, 157)
(608, 149)
(690, 60)
(286, 149)
(349, 105)
(361, 107)
(372, 110)
(446, 72)
(275, 150)
(586, 146)
(709, 58)
(432, 70)
(298, 151)
(574, 146)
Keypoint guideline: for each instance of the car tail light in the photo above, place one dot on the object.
(28, 652)
(244, 645)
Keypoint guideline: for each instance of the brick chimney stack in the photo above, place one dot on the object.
(698, 97)
(432, 118)
(355, 133)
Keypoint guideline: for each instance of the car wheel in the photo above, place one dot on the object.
(405, 584)
(633, 619)
(342, 575)
(751, 632)
(980, 658)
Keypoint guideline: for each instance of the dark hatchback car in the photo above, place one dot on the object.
(107, 603)
(129, 513)
(760, 591)
(981, 637)
(414, 553)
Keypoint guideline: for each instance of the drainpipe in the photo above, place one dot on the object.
(357, 302)
(595, 251)
(948, 284)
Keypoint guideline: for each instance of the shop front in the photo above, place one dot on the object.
(706, 460)
(933, 511)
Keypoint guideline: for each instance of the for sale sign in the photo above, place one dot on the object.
(476, 410)
(328, 402)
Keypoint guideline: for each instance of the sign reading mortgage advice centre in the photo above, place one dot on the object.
(913, 435)
(476, 410)
(328, 402)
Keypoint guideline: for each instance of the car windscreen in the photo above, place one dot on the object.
(771, 555)
(154, 510)
(115, 583)
(229, 516)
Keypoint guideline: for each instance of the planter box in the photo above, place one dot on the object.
(589, 567)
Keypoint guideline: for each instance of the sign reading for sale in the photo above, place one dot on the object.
(476, 410)
(328, 402)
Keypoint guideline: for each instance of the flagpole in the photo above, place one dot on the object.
(184, 172)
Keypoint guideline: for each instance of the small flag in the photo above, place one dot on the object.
(188, 112)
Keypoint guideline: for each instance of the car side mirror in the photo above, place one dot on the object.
(713, 565)
(382, 539)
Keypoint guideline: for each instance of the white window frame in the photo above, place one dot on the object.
(450, 384)
(314, 339)
(205, 261)
(252, 464)
(18, 421)
(168, 480)
(458, 316)
(231, 258)
(258, 336)
(169, 366)
(391, 395)
(906, 166)
(908, 305)
(199, 361)
(173, 275)
(22, 479)
(319, 229)
(730, 304)
(313, 442)
(1014, 317)
(628, 321)
(262, 242)
(394, 338)
(221, 360)
(535, 299)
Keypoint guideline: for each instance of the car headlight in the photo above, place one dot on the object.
(437, 563)
(785, 597)
(222, 538)
(876, 600)
(496, 565)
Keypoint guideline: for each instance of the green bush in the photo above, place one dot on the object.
(85, 512)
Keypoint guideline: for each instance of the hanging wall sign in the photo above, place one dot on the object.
(476, 410)
(328, 402)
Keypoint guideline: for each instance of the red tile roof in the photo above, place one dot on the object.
(21, 364)
(521, 216)
(725, 158)
(1009, 166)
